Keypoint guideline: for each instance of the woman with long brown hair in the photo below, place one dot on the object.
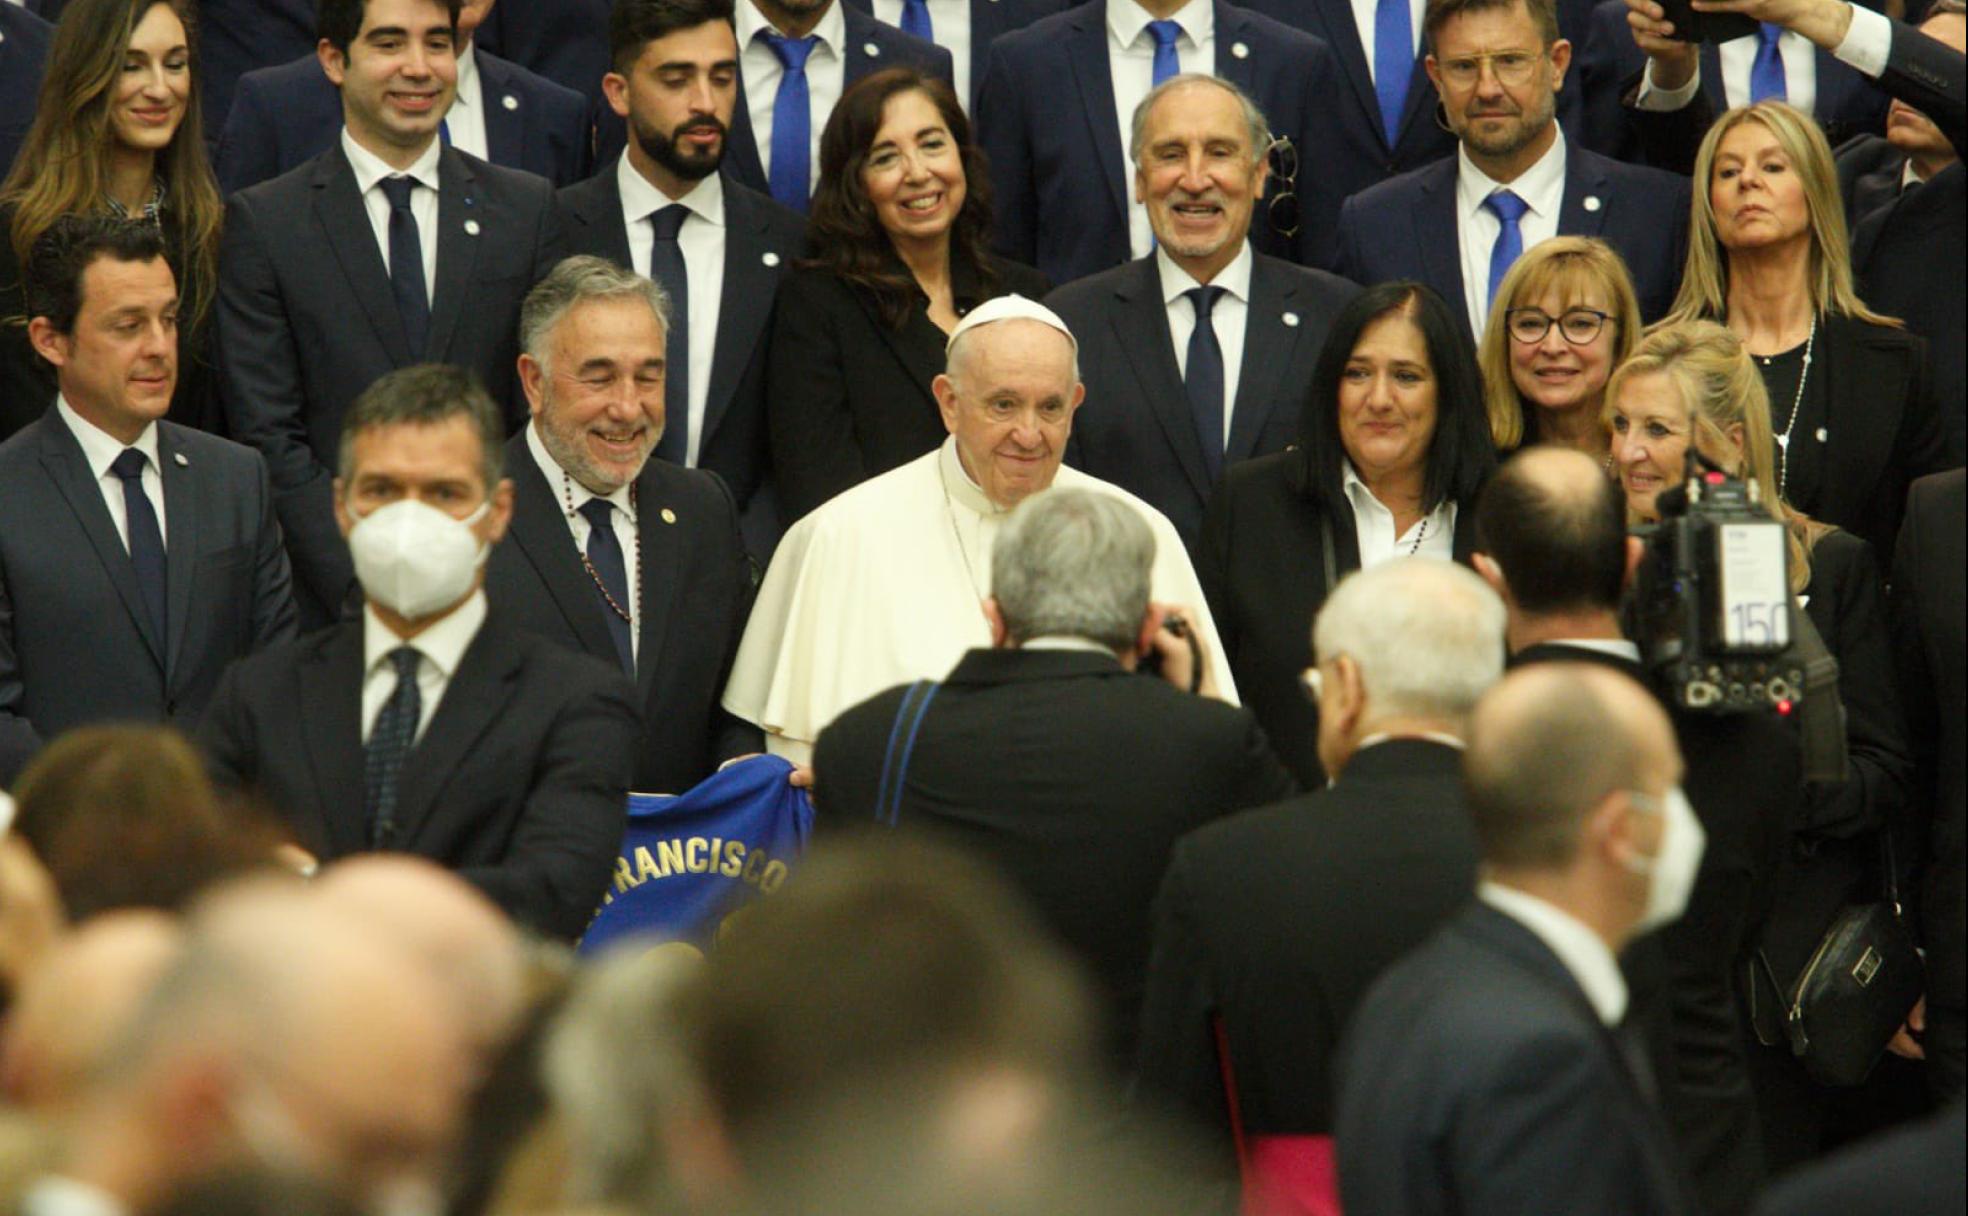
(116, 130)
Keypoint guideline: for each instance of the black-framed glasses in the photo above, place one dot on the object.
(1282, 211)
(1577, 325)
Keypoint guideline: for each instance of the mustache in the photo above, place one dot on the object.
(707, 123)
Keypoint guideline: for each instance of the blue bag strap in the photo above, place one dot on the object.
(895, 769)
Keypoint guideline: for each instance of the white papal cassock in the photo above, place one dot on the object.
(885, 583)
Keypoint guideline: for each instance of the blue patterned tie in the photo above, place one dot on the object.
(390, 740)
(1203, 377)
(1393, 65)
(1508, 209)
(146, 539)
(666, 267)
(1166, 64)
(605, 559)
(792, 123)
(1766, 74)
(407, 265)
(915, 19)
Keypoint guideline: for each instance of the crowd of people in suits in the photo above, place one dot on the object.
(1164, 481)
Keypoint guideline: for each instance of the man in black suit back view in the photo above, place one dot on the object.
(1272, 923)
(386, 250)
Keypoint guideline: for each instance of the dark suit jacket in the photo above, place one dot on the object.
(282, 116)
(24, 41)
(1904, 254)
(306, 322)
(1407, 228)
(1274, 922)
(696, 593)
(1262, 565)
(1869, 174)
(989, 20)
(1477, 1079)
(76, 644)
(1060, 175)
(565, 41)
(519, 782)
(1071, 774)
(1917, 1168)
(1136, 428)
(847, 394)
(236, 36)
(761, 239)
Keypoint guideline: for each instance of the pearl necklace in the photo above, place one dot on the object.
(1796, 402)
(635, 592)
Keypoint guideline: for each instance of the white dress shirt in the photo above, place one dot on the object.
(465, 120)
(99, 450)
(440, 648)
(370, 170)
(1228, 316)
(1738, 56)
(1542, 187)
(1131, 63)
(826, 79)
(949, 24)
(701, 239)
(1577, 947)
(1363, 21)
(1619, 648)
(1433, 535)
(571, 495)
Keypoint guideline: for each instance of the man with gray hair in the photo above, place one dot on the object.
(1270, 925)
(635, 561)
(1052, 753)
(1197, 355)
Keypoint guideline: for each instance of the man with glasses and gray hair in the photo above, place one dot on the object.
(1196, 355)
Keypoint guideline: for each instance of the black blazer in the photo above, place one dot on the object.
(519, 782)
(1072, 775)
(761, 239)
(1274, 923)
(24, 42)
(236, 36)
(1904, 255)
(76, 644)
(1262, 565)
(1136, 428)
(566, 42)
(306, 321)
(696, 593)
(847, 394)
(1477, 1078)
(1916, 1168)
(1869, 173)
(989, 19)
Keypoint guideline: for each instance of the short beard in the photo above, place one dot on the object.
(664, 151)
(1515, 138)
(567, 453)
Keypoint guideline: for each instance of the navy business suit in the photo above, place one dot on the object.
(1406, 228)
(1061, 180)
(284, 115)
(564, 40)
(989, 20)
(236, 36)
(76, 644)
(1137, 428)
(24, 40)
(306, 321)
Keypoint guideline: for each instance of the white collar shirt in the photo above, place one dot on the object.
(1619, 648)
(1433, 535)
(100, 450)
(1364, 12)
(1229, 317)
(465, 121)
(440, 648)
(949, 26)
(1542, 187)
(759, 66)
(1131, 65)
(1737, 57)
(569, 497)
(1062, 641)
(1581, 951)
(370, 170)
(701, 239)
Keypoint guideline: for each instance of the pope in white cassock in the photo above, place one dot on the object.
(885, 583)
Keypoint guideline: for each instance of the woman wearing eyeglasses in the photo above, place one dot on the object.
(1565, 317)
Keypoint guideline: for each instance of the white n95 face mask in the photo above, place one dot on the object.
(1670, 872)
(414, 559)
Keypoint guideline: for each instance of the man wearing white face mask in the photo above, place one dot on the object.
(1486, 1072)
(431, 725)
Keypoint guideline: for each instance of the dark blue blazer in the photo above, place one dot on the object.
(1136, 428)
(1406, 228)
(76, 644)
(989, 19)
(1061, 179)
(564, 40)
(1476, 1078)
(284, 115)
(24, 40)
(237, 36)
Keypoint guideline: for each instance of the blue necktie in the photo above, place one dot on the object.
(1508, 209)
(444, 131)
(1393, 63)
(1166, 64)
(915, 19)
(1203, 377)
(792, 123)
(390, 740)
(611, 576)
(146, 540)
(666, 267)
(1766, 74)
(407, 265)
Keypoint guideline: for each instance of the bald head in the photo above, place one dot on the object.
(1554, 525)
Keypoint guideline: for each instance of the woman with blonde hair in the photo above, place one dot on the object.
(116, 130)
(1566, 316)
(1851, 406)
(1693, 384)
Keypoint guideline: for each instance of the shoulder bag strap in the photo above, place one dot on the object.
(901, 745)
